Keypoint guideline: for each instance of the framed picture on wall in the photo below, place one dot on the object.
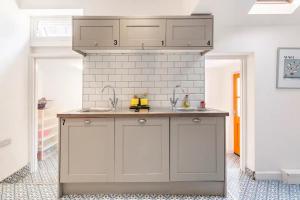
(288, 68)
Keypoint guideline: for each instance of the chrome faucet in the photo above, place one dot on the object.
(174, 100)
(114, 100)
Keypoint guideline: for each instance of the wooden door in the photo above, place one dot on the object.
(142, 32)
(87, 150)
(189, 32)
(197, 149)
(236, 112)
(142, 149)
(96, 33)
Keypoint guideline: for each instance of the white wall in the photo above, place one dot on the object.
(276, 111)
(116, 7)
(219, 91)
(60, 80)
(14, 37)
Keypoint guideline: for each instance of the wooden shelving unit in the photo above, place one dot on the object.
(47, 133)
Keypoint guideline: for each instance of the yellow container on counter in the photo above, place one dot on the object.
(134, 102)
(144, 102)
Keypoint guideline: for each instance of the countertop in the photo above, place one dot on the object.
(158, 112)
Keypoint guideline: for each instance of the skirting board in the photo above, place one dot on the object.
(268, 175)
(191, 188)
(291, 176)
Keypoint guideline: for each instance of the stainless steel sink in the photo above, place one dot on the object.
(98, 109)
(186, 109)
(191, 109)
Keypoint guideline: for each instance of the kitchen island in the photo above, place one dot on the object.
(161, 152)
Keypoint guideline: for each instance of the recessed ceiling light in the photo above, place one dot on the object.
(274, 7)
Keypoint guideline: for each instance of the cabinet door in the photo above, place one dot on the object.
(189, 32)
(87, 150)
(197, 149)
(142, 150)
(142, 32)
(96, 33)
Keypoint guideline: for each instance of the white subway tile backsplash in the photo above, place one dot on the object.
(148, 58)
(109, 58)
(147, 84)
(139, 73)
(161, 58)
(134, 84)
(135, 58)
(173, 57)
(187, 58)
(122, 58)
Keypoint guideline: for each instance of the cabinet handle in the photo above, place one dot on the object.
(196, 120)
(142, 121)
(87, 122)
(115, 42)
(162, 43)
(208, 43)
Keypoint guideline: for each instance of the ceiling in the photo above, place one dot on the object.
(226, 12)
(235, 12)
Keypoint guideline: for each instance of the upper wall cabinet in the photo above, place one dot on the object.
(142, 32)
(96, 33)
(189, 32)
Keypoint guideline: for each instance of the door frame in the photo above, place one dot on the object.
(243, 115)
(32, 101)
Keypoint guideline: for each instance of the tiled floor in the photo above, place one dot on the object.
(42, 186)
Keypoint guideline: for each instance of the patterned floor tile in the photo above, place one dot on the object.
(42, 185)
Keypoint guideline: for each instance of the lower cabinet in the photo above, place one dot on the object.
(151, 149)
(87, 150)
(142, 149)
(197, 149)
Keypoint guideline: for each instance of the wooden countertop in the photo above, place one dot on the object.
(152, 113)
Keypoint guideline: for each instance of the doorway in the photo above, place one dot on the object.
(56, 87)
(223, 91)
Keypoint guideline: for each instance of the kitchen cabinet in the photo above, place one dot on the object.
(142, 149)
(87, 150)
(96, 33)
(197, 149)
(189, 33)
(92, 34)
(142, 32)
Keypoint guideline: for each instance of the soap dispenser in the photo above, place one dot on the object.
(186, 102)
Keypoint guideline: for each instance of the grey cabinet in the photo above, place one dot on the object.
(142, 149)
(142, 32)
(87, 150)
(189, 33)
(197, 149)
(96, 33)
(137, 33)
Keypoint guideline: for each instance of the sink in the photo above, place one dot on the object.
(186, 109)
(98, 109)
(191, 109)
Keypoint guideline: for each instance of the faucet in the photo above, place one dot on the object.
(174, 100)
(113, 101)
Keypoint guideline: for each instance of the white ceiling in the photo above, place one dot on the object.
(226, 12)
(235, 12)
